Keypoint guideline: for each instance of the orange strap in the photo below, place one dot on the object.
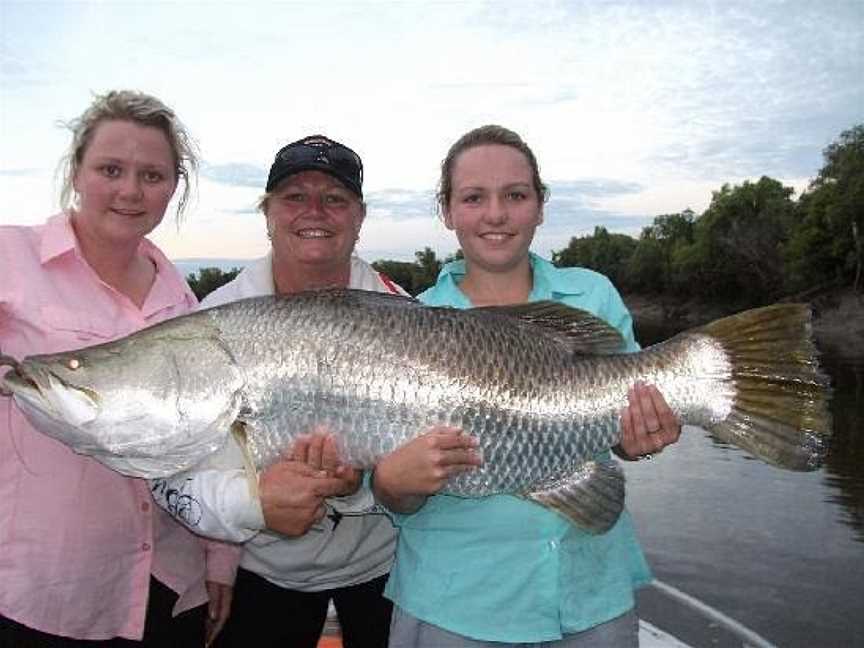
(388, 283)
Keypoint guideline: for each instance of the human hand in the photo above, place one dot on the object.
(320, 451)
(292, 496)
(218, 609)
(422, 466)
(647, 423)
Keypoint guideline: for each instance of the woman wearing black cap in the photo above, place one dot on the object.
(299, 552)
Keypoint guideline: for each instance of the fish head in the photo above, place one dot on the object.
(149, 405)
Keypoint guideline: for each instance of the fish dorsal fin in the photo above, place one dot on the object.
(592, 498)
(585, 332)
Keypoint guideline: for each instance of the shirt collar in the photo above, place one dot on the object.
(167, 290)
(455, 268)
(548, 280)
(170, 287)
(58, 238)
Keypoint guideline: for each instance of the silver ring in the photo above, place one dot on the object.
(645, 457)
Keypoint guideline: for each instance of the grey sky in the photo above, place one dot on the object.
(633, 108)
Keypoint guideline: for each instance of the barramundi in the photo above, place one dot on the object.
(541, 386)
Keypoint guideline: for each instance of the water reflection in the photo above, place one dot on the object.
(778, 550)
(843, 470)
(844, 465)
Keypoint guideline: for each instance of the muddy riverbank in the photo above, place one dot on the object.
(838, 319)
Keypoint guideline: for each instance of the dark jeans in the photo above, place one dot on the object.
(277, 617)
(161, 630)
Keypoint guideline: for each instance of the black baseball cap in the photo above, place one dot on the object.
(318, 153)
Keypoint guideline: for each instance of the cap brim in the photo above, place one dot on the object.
(313, 166)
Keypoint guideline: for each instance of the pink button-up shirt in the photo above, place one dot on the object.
(78, 542)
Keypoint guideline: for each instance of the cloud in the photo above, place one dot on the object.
(578, 206)
(240, 211)
(19, 68)
(239, 174)
(400, 205)
(21, 172)
(16, 71)
(587, 188)
(638, 108)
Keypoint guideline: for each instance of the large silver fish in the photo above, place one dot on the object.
(541, 386)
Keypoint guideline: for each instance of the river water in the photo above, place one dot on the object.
(780, 551)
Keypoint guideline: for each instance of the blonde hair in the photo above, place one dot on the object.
(138, 108)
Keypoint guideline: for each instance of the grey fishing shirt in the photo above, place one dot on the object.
(215, 499)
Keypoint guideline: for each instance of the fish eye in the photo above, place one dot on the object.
(73, 364)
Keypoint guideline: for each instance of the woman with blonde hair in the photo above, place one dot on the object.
(85, 556)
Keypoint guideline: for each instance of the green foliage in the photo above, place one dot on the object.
(428, 267)
(458, 255)
(413, 277)
(209, 279)
(606, 253)
(672, 229)
(737, 243)
(650, 269)
(646, 269)
(826, 243)
(401, 272)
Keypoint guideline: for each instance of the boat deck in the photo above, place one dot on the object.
(649, 637)
(693, 621)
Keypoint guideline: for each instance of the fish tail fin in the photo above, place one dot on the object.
(780, 409)
(592, 498)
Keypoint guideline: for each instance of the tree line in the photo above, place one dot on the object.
(754, 244)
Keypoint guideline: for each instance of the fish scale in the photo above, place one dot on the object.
(372, 420)
(374, 411)
(539, 385)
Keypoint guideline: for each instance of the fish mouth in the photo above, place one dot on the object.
(42, 389)
(14, 381)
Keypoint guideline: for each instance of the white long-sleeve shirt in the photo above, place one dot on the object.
(215, 499)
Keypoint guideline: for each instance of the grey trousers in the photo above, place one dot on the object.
(408, 632)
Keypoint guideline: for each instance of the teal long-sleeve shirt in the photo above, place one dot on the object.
(500, 568)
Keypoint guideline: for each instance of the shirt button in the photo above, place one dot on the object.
(145, 546)
(553, 545)
(145, 506)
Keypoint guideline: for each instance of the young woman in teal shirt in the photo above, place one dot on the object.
(482, 572)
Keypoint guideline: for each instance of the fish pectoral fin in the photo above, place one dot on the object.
(584, 332)
(238, 429)
(592, 498)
